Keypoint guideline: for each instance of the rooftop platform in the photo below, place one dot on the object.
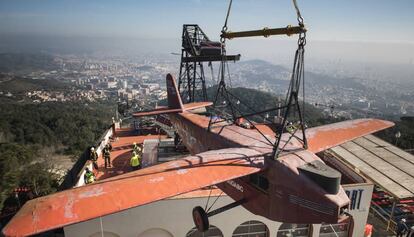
(122, 152)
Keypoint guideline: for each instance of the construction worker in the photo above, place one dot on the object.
(402, 228)
(89, 176)
(136, 148)
(107, 155)
(135, 161)
(292, 127)
(93, 156)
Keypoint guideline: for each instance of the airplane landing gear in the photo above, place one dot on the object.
(200, 216)
(200, 219)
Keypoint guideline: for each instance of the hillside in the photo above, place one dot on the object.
(259, 101)
(72, 124)
(313, 116)
(262, 74)
(405, 127)
(21, 85)
(18, 62)
(34, 136)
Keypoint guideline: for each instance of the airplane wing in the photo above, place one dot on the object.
(133, 189)
(327, 136)
(157, 111)
(167, 110)
(196, 105)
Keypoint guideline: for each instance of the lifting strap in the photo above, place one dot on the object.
(292, 97)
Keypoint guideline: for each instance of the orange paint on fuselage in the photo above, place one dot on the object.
(287, 189)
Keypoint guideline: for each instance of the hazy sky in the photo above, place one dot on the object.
(367, 20)
(386, 22)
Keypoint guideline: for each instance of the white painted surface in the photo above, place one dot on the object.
(359, 208)
(99, 149)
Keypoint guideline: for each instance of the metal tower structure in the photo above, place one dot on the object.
(196, 49)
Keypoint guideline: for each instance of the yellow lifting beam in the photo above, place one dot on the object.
(266, 32)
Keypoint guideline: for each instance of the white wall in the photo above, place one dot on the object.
(81, 180)
(173, 215)
(360, 195)
(99, 149)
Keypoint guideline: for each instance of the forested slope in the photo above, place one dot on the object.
(26, 130)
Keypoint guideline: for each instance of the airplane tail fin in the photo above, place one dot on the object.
(175, 104)
(173, 95)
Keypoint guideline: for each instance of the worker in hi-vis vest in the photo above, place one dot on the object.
(135, 161)
(89, 176)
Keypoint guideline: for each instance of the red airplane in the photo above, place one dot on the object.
(297, 187)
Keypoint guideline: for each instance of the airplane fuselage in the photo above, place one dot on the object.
(280, 192)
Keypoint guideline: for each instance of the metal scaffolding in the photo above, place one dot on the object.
(196, 49)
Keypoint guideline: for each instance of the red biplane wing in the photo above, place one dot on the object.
(133, 189)
(196, 105)
(327, 136)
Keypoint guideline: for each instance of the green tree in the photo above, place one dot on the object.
(405, 128)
